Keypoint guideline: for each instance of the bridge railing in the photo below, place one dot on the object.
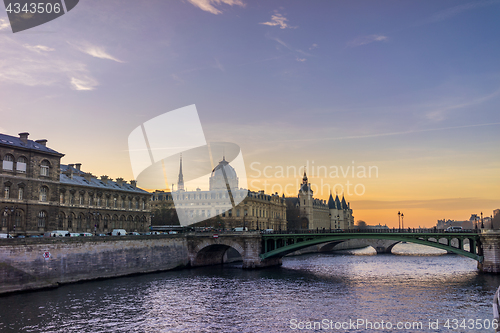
(370, 230)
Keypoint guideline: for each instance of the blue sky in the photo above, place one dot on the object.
(412, 87)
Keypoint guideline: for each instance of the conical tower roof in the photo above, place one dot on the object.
(331, 202)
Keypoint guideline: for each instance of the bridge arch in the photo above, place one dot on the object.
(208, 253)
(433, 240)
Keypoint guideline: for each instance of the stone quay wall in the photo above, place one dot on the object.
(34, 263)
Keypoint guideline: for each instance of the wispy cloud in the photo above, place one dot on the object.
(4, 24)
(278, 20)
(300, 59)
(456, 10)
(367, 40)
(38, 48)
(209, 5)
(314, 46)
(96, 51)
(432, 204)
(38, 65)
(440, 114)
(83, 83)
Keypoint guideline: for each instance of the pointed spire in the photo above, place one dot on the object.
(180, 183)
(304, 179)
(331, 202)
(344, 204)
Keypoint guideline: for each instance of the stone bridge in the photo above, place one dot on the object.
(262, 250)
(211, 249)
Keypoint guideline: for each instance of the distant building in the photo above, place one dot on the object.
(473, 222)
(40, 194)
(257, 210)
(310, 213)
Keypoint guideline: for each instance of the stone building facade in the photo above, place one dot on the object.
(257, 211)
(39, 194)
(316, 213)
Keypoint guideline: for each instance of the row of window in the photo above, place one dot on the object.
(21, 163)
(92, 201)
(98, 201)
(16, 221)
(237, 213)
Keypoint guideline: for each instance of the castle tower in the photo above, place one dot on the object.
(180, 182)
(306, 201)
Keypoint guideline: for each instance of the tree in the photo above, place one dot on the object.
(361, 224)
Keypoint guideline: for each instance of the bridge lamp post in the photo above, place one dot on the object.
(482, 221)
(399, 219)
(402, 220)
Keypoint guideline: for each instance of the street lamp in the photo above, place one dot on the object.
(482, 221)
(399, 219)
(402, 221)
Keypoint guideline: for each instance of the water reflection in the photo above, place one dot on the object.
(228, 299)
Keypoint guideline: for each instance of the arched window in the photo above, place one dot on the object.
(79, 222)
(8, 162)
(21, 164)
(44, 168)
(44, 192)
(42, 219)
(20, 193)
(105, 221)
(6, 191)
(19, 220)
(60, 221)
(71, 217)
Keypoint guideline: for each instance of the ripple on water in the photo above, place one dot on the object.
(215, 299)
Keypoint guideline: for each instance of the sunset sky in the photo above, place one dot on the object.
(409, 88)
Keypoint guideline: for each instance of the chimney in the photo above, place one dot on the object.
(71, 165)
(78, 166)
(133, 183)
(87, 176)
(104, 179)
(119, 181)
(24, 137)
(43, 142)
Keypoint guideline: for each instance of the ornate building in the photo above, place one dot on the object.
(311, 213)
(257, 210)
(40, 194)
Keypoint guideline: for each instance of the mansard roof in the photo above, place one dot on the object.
(16, 142)
(79, 180)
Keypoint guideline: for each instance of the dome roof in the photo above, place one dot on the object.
(230, 172)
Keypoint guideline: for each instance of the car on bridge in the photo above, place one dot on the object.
(453, 229)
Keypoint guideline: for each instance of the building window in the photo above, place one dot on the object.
(237, 213)
(20, 193)
(42, 219)
(43, 193)
(44, 168)
(114, 202)
(61, 198)
(98, 201)
(8, 162)
(81, 199)
(60, 221)
(143, 205)
(6, 192)
(137, 204)
(21, 164)
(70, 221)
(245, 212)
(72, 199)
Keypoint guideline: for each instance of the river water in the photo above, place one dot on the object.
(341, 292)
